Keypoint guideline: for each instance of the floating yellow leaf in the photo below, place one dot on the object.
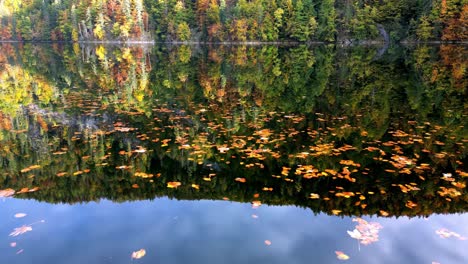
(173, 184)
(314, 196)
(341, 256)
(196, 186)
(240, 179)
(256, 204)
(138, 254)
(383, 213)
(460, 185)
(410, 204)
(336, 212)
(30, 168)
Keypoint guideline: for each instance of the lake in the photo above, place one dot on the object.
(233, 154)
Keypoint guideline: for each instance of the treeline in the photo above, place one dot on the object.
(233, 20)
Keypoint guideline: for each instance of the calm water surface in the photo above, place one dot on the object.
(233, 154)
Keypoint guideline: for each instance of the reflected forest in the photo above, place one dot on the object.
(343, 131)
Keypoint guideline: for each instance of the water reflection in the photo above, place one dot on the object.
(216, 232)
(338, 131)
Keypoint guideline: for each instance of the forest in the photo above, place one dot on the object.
(233, 20)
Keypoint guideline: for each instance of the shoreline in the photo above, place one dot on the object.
(247, 43)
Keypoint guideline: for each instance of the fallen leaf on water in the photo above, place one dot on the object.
(33, 189)
(13, 244)
(20, 230)
(445, 233)
(383, 213)
(173, 184)
(341, 256)
(196, 186)
(254, 216)
(314, 196)
(240, 179)
(23, 190)
(19, 251)
(135, 186)
(20, 215)
(336, 212)
(33, 167)
(138, 254)
(354, 234)
(6, 193)
(267, 242)
(256, 204)
(411, 204)
(365, 232)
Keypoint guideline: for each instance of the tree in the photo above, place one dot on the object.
(183, 31)
(425, 29)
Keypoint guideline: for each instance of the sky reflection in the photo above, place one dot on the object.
(216, 232)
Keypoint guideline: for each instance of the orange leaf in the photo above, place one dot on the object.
(173, 184)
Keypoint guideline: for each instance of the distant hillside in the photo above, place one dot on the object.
(233, 20)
